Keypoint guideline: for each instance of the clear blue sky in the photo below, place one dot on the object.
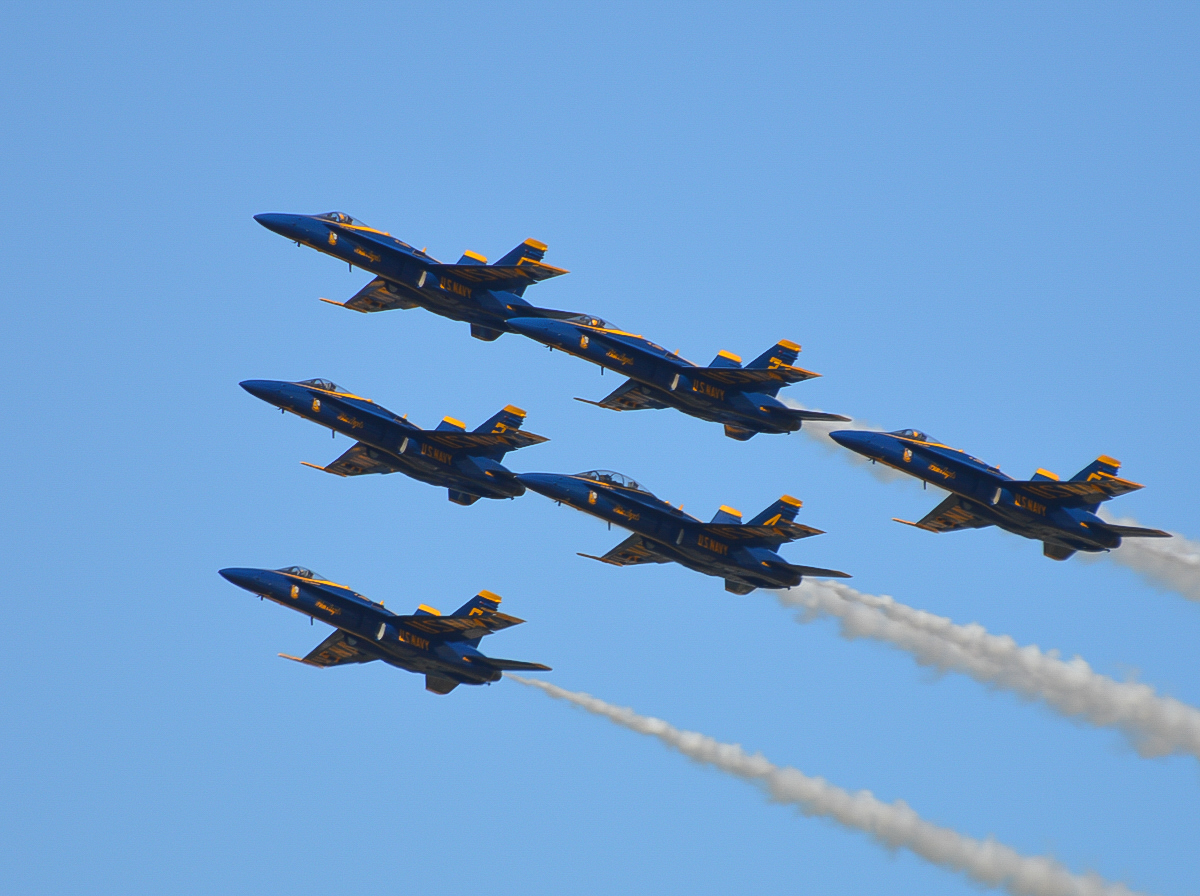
(977, 220)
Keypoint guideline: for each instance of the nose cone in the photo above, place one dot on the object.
(549, 484)
(856, 440)
(284, 225)
(250, 579)
(269, 391)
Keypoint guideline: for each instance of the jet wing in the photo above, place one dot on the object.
(629, 396)
(495, 277)
(459, 626)
(510, 665)
(336, 650)
(375, 296)
(633, 551)
(358, 461)
(457, 441)
(743, 377)
(780, 532)
(1074, 494)
(951, 515)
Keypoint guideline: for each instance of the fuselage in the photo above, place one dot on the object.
(675, 534)
(408, 271)
(401, 445)
(372, 628)
(673, 381)
(998, 496)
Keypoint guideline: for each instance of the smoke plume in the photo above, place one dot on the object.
(893, 825)
(1156, 725)
(819, 430)
(1169, 563)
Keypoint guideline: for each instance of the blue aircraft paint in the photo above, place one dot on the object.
(443, 648)
(485, 296)
(1059, 514)
(468, 464)
(744, 555)
(742, 398)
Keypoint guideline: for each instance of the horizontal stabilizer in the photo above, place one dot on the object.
(818, 572)
(629, 396)
(1099, 487)
(508, 665)
(1136, 531)
(378, 295)
(359, 460)
(799, 414)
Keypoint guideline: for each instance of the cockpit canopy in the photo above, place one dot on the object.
(302, 573)
(915, 434)
(611, 478)
(341, 218)
(588, 321)
(327, 385)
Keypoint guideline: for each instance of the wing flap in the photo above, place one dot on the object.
(377, 295)
(951, 515)
(629, 396)
(359, 460)
(742, 377)
(460, 626)
(509, 665)
(339, 649)
(494, 276)
(1100, 487)
(781, 531)
(458, 441)
(633, 551)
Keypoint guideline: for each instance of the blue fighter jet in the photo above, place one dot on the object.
(483, 295)
(444, 648)
(466, 463)
(1061, 515)
(742, 398)
(744, 555)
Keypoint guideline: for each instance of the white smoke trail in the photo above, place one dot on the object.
(891, 824)
(1157, 725)
(819, 430)
(1169, 563)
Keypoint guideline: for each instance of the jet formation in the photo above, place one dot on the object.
(1061, 515)
(445, 649)
(490, 298)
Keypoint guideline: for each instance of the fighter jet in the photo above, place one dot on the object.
(744, 555)
(444, 648)
(483, 295)
(466, 463)
(1061, 515)
(742, 398)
